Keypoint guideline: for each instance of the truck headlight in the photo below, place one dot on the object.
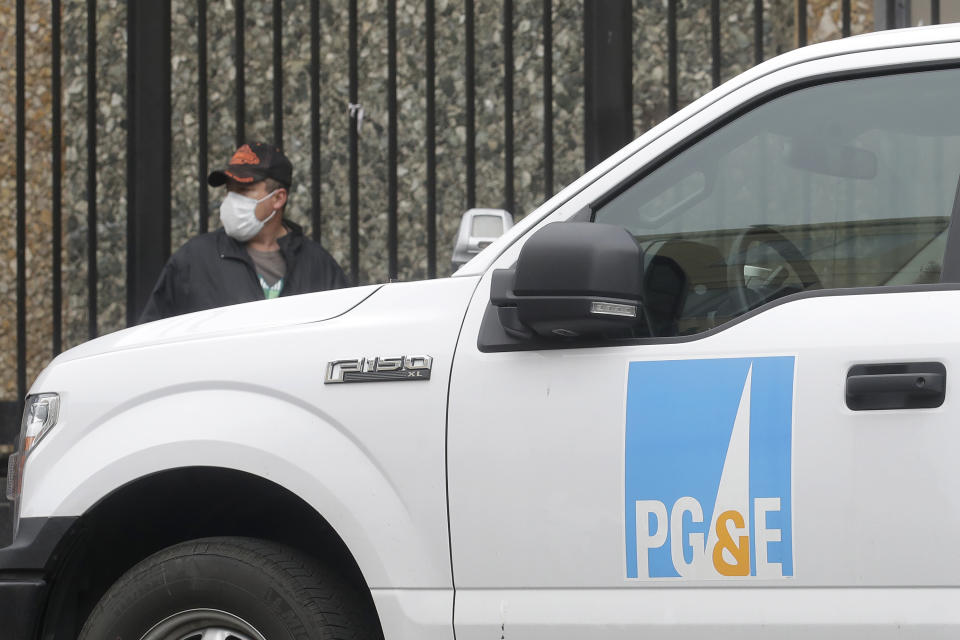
(39, 416)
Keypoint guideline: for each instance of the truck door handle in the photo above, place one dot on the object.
(897, 385)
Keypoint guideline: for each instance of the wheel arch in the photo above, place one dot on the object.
(171, 506)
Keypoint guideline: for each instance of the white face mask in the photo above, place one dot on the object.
(239, 218)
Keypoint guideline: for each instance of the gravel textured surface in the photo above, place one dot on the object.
(650, 107)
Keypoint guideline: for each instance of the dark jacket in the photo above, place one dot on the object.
(214, 270)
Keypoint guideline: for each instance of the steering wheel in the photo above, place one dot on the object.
(784, 248)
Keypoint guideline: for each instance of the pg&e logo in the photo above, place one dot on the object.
(707, 469)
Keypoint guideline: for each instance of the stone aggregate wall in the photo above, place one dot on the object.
(650, 73)
(184, 129)
(74, 184)
(825, 20)
(110, 159)
(38, 229)
(569, 158)
(111, 187)
(650, 106)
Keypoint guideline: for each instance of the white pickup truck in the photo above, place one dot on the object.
(702, 391)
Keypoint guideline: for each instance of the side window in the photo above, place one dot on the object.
(847, 184)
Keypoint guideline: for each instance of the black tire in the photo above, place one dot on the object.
(242, 584)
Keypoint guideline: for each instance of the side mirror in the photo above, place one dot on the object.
(479, 228)
(571, 279)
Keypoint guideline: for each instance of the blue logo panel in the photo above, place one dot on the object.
(707, 469)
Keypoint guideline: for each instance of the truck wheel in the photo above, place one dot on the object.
(231, 589)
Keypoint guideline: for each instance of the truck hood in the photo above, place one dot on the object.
(236, 319)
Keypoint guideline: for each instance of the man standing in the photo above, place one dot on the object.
(256, 255)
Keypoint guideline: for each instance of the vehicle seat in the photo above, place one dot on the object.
(686, 282)
(664, 287)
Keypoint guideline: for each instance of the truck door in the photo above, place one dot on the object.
(771, 452)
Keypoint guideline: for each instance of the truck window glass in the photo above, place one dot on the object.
(847, 184)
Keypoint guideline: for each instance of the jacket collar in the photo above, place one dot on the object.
(290, 244)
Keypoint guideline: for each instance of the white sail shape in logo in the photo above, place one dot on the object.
(733, 494)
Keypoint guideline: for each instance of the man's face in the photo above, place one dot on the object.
(257, 191)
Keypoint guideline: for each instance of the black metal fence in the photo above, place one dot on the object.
(608, 124)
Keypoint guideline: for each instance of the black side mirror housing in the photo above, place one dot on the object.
(572, 279)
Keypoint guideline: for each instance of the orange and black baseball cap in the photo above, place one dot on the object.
(253, 162)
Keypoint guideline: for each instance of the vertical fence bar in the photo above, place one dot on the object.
(608, 78)
(715, 60)
(431, 141)
(203, 194)
(508, 192)
(354, 150)
(278, 73)
(934, 11)
(471, 117)
(148, 149)
(92, 168)
(240, 83)
(673, 98)
(548, 98)
(56, 138)
(132, 183)
(845, 18)
(757, 31)
(801, 23)
(891, 11)
(315, 119)
(392, 197)
(21, 202)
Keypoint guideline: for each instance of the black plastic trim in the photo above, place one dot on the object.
(34, 546)
(493, 339)
(23, 567)
(896, 385)
(21, 603)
